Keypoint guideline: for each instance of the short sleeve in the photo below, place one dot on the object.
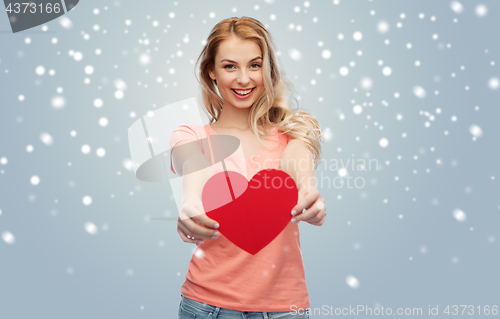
(181, 133)
(286, 138)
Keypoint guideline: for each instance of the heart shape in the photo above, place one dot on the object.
(250, 213)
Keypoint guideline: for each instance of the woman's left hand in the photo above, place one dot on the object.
(314, 204)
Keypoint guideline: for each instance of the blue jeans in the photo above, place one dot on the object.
(191, 309)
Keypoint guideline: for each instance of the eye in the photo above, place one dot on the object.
(231, 65)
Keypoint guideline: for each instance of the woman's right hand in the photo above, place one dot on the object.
(193, 225)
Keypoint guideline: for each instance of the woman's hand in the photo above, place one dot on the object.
(192, 221)
(314, 204)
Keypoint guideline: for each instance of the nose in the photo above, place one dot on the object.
(243, 78)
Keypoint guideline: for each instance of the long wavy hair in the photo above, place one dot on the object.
(274, 105)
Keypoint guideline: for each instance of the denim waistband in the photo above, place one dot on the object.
(197, 304)
(218, 310)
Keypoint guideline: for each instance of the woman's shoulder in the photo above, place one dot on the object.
(194, 128)
(282, 135)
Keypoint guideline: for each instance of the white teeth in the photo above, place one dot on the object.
(242, 92)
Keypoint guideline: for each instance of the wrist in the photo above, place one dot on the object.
(195, 202)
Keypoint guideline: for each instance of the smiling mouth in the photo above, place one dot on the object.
(251, 90)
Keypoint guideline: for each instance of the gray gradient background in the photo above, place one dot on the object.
(136, 267)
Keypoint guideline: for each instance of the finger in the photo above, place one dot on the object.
(189, 227)
(306, 202)
(188, 240)
(310, 213)
(196, 240)
(207, 221)
(321, 222)
(318, 210)
(317, 216)
(182, 228)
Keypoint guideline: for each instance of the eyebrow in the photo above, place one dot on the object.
(256, 58)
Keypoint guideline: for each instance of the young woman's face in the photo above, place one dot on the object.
(238, 66)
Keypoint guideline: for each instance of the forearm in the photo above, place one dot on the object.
(193, 182)
(297, 161)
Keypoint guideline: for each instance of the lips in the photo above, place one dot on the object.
(234, 90)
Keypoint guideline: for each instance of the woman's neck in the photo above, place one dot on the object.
(233, 117)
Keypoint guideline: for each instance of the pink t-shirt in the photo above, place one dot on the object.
(222, 274)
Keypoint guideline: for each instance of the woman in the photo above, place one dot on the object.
(224, 281)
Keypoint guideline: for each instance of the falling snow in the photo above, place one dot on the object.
(412, 77)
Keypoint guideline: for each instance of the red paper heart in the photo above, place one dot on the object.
(250, 214)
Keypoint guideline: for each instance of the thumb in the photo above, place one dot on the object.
(209, 222)
(301, 196)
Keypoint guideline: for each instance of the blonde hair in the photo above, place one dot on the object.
(272, 107)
